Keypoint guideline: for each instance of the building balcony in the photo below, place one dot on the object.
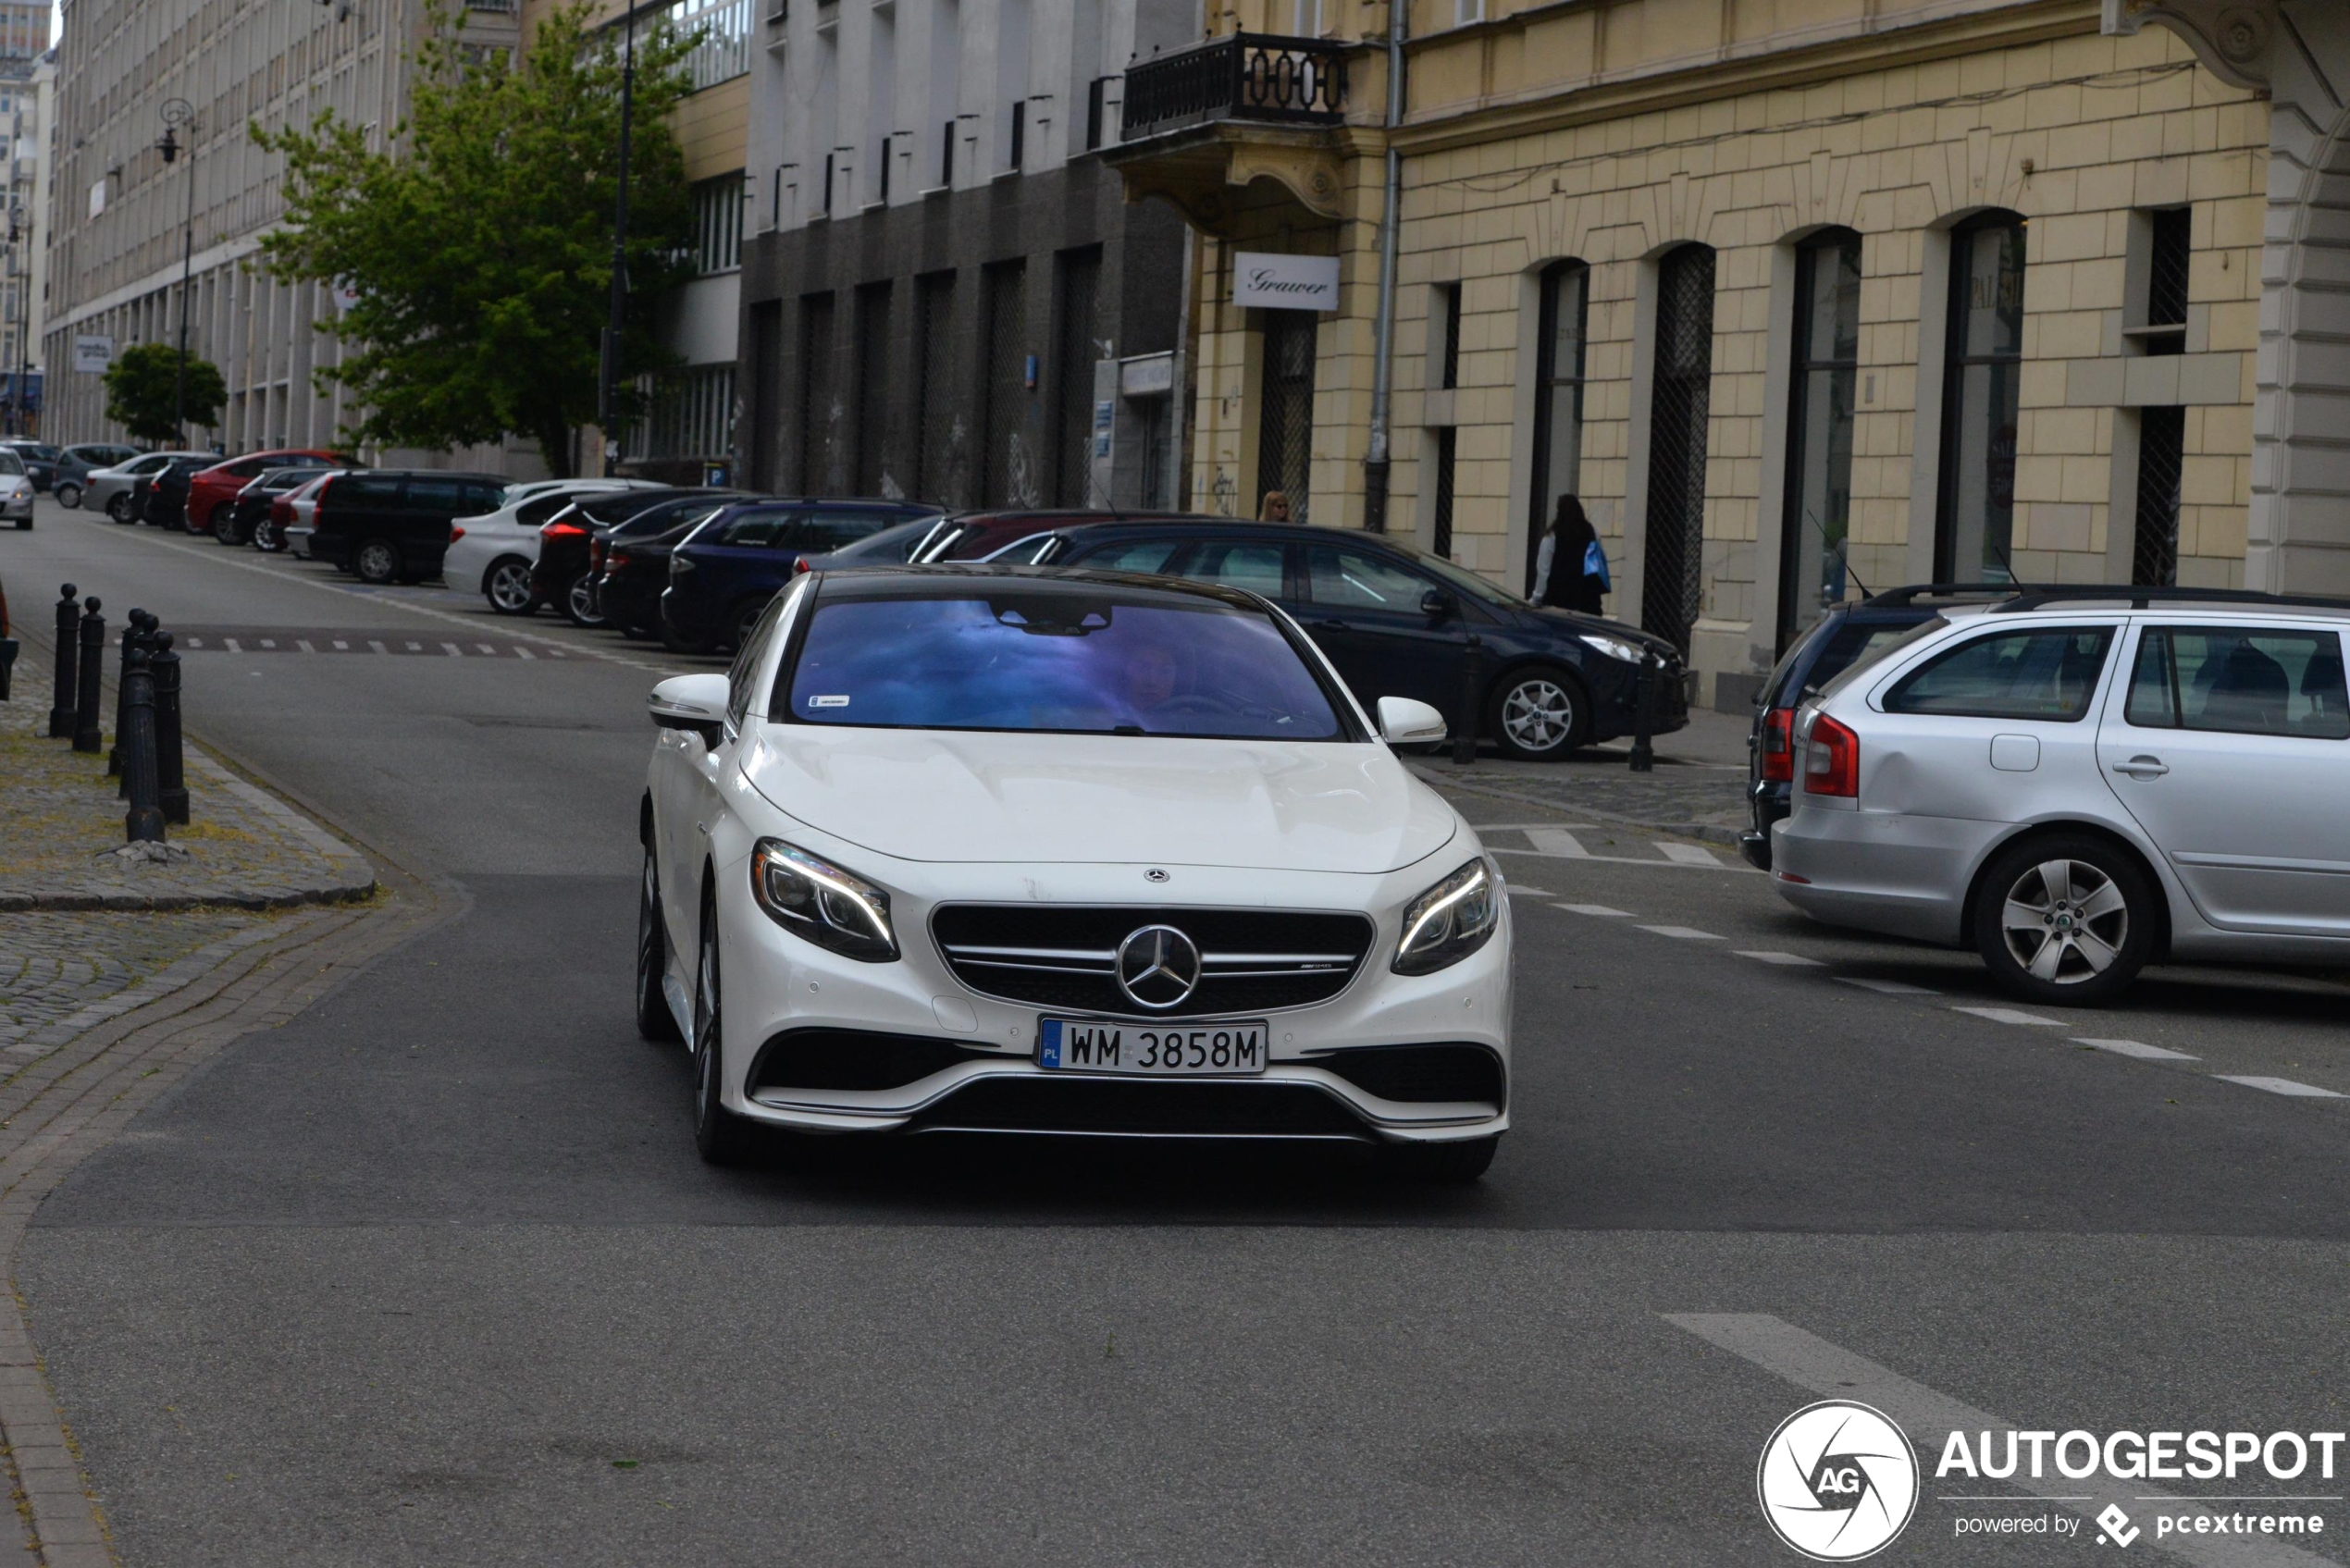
(1201, 123)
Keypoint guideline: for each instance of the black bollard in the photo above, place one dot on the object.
(87, 733)
(134, 628)
(1644, 717)
(69, 646)
(1472, 683)
(144, 823)
(171, 783)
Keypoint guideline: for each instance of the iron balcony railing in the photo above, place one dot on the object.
(1250, 76)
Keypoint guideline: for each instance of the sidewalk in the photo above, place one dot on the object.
(1698, 790)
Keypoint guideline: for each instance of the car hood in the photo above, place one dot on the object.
(1577, 621)
(924, 794)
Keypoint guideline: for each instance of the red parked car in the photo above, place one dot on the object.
(211, 487)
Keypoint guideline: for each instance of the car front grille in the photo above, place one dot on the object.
(1420, 1074)
(1162, 1108)
(1065, 956)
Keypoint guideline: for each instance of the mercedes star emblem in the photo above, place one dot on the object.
(1157, 968)
(1154, 874)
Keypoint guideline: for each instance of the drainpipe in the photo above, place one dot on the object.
(1375, 464)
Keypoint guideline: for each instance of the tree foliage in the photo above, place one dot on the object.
(478, 245)
(142, 391)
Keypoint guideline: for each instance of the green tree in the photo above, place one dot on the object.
(142, 393)
(476, 249)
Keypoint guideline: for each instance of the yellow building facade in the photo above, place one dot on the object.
(1802, 299)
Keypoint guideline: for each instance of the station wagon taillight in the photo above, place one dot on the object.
(1778, 745)
(1831, 760)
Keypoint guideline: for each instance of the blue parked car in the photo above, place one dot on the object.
(722, 576)
(1397, 623)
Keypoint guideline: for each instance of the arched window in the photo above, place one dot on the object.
(1671, 581)
(1558, 396)
(1814, 537)
(1973, 535)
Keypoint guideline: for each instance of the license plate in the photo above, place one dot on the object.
(1151, 1050)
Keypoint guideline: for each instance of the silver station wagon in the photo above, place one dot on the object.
(2082, 781)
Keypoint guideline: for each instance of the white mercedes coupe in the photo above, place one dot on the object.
(992, 849)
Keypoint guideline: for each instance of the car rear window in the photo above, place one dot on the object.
(2243, 680)
(1023, 658)
(2047, 673)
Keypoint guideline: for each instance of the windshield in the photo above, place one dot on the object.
(894, 544)
(1024, 657)
(1461, 578)
(9, 462)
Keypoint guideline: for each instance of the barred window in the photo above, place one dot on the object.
(718, 224)
(692, 415)
(725, 51)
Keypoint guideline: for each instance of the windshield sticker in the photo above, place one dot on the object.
(828, 702)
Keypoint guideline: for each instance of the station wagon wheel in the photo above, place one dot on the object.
(2064, 919)
(265, 536)
(508, 588)
(377, 561)
(1538, 715)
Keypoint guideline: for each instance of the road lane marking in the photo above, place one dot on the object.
(451, 649)
(268, 642)
(522, 653)
(304, 644)
(1601, 911)
(1791, 960)
(232, 644)
(1682, 933)
(1888, 987)
(415, 647)
(341, 645)
(1557, 841)
(486, 648)
(1517, 891)
(2136, 1048)
(378, 648)
(1930, 1416)
(1686, 854)
(2279, 1086)
(2008, 1015)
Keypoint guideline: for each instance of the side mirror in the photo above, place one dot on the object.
(697, 703)
(1438, 605)
(1404, 720)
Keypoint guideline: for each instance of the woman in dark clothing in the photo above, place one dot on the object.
(1560, 579)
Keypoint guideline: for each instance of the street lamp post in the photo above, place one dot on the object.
(608, 384)
(178, 112)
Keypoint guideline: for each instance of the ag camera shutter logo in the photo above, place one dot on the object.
(1837, 1481)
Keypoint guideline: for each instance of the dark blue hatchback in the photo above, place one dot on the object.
(1398, 623)
(723, 575)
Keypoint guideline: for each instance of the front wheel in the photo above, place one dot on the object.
(1444, 1164)
(579, 602)
(68, 496)
(223, 524)
(654, 1020)
(2066, 920)
(375, 561)
(1538, 715)
(508, 588)
(266, 537)
(721, 1136)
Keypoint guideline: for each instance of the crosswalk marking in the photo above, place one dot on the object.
(1601, 911)
(2279, 1086)
(304, 644)
(378, 648)
(1557, 841)
(1682, 933)
(232, 644)
(2008, 1015)
(522, 653)
(1790, 960)
(2136, 1048)
(1686, 854)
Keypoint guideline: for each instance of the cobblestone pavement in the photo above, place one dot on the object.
(1706, 802)
(63, 972)
(60, 819)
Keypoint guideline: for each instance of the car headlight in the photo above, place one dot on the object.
(1615, 647)
(819, 901)
(1450, 920)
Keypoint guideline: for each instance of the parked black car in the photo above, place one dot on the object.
(234, 522)
(391, 525)
(41, 461)
(75, 462)
(632, 566)
(1841, 638)
(1397, 623)
(564, 575)
(160, 500)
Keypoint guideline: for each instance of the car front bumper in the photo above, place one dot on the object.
(1882, 870)
(16, 508)
(776, 985)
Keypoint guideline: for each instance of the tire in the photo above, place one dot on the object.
(264, 537)
(578, 606)
(68, 496)
(375, 561)
(507, 587)
(223, 524)
(654, 1020)
(119, 507)
(1443, 1164)
(1539, 714)
(2075, 946)
(747, 616)
(721, 1136)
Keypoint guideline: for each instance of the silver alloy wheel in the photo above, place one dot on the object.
(377, 562)
(1537, 715)
(581, 602)
(68, 495)
(510, 588)
(265, 536)
(2065, 922)
(119, 508)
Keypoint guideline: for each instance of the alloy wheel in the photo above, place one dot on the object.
(377, 562)
(510, 588)
(68, 496)
(2065, 922)
(264, 537)
(1537, 715)
(579, 602)
(707, 1020)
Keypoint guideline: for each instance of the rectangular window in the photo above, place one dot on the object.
(1094, 99)
(1080, 275)
(873, 385)
(934, 298)
(1285, 412)
(1447, 325)
(1558, 397)
(946, 78)
(2036, 674)
(816, 419)
(1980, 390)
(1446, 444)
(1467, 11)
(2162, 441)
(2241, 680)
(1816, 531)
(718, 224)
(691, 415)
(1019, 133)
(1672, 581)
(2163, 328)
(725, 52)
(1006, 475)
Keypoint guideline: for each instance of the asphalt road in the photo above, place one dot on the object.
(431, 1275)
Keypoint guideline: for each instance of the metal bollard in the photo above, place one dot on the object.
(134, 630)
(1472, 685)
(8, 664)
(171, 783)
(68, 644)
(144, 823)
(87, 733)
(1644, 717)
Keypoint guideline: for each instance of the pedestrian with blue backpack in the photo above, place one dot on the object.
(1570, 570)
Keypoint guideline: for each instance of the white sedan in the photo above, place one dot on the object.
(495, 553)
(991, 849)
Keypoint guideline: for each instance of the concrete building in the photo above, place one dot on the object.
(25, 79)
(945, 294)
(1802, 298)
(122, 214)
